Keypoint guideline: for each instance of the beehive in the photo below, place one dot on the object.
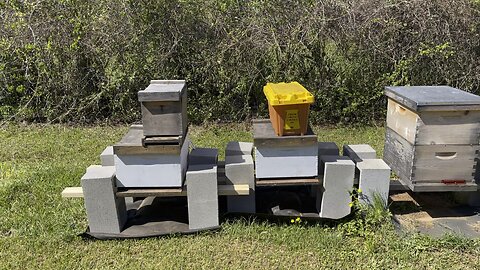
(432, 137)
(164, 108)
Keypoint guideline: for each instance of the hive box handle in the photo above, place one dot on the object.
(445, 155)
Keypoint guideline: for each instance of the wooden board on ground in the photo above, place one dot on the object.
(223, 190)
(287, 182)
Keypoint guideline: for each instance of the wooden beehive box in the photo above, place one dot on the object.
(432, 137)
(164, 108)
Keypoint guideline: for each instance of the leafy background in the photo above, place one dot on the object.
(83, 61)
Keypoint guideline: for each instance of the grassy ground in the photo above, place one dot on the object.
(38, 229)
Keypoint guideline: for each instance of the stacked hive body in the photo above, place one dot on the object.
(155, 154)
(284, 156)
(432, 137)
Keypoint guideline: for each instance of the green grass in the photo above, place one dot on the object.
(38, 229)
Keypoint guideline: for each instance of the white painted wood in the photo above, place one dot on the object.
(279, 162)
(434, 127)
(402, 120)
(152, 170)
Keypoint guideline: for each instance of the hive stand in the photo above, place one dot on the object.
(202, 189)
(333, 199)
(374, 179)
(106, 213)
(239, 169)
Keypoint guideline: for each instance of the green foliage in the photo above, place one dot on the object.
(368, 218)
(83, 61)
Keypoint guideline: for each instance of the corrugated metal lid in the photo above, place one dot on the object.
(162, 90)
(426, 98)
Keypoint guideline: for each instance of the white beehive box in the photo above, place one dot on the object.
(152, 166)
(432, 137)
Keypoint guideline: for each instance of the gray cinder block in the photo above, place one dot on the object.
(359, 152)
(106, 157)
(333, 197)
(327, 149)
(374, 178)
(202, 196)
(240, 170)
(288, 161)
(105, 212)
(238, 148)
(200, 156)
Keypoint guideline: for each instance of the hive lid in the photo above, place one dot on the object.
(431, 98)
(287, 94)
(162, 90)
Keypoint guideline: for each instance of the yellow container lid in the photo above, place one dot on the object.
(287, 94)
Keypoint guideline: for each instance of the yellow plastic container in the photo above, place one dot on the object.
(288, 106)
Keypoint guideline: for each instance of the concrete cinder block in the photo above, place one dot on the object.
(333, 197)
(327, 149)
(238, 148)
(202, 196)
(374, 178)
(200, 156)
(106, 157)
(106, 213)
(240, 170)
(359, 152)
(294, 161)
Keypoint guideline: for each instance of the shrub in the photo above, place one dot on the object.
(83, 61)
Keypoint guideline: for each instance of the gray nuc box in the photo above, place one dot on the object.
(164, 108)
(432, 137)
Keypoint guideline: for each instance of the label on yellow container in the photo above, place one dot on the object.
(291, 120)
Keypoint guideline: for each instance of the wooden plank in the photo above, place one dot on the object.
(434, 127)
(398, 153)
(223, 190)
(434, 163)
(264, 135)
(287, 182)
(402, 120)
(448, 127)
(436, 187)
(72, 192)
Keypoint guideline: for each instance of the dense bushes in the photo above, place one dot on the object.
(83, 61)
